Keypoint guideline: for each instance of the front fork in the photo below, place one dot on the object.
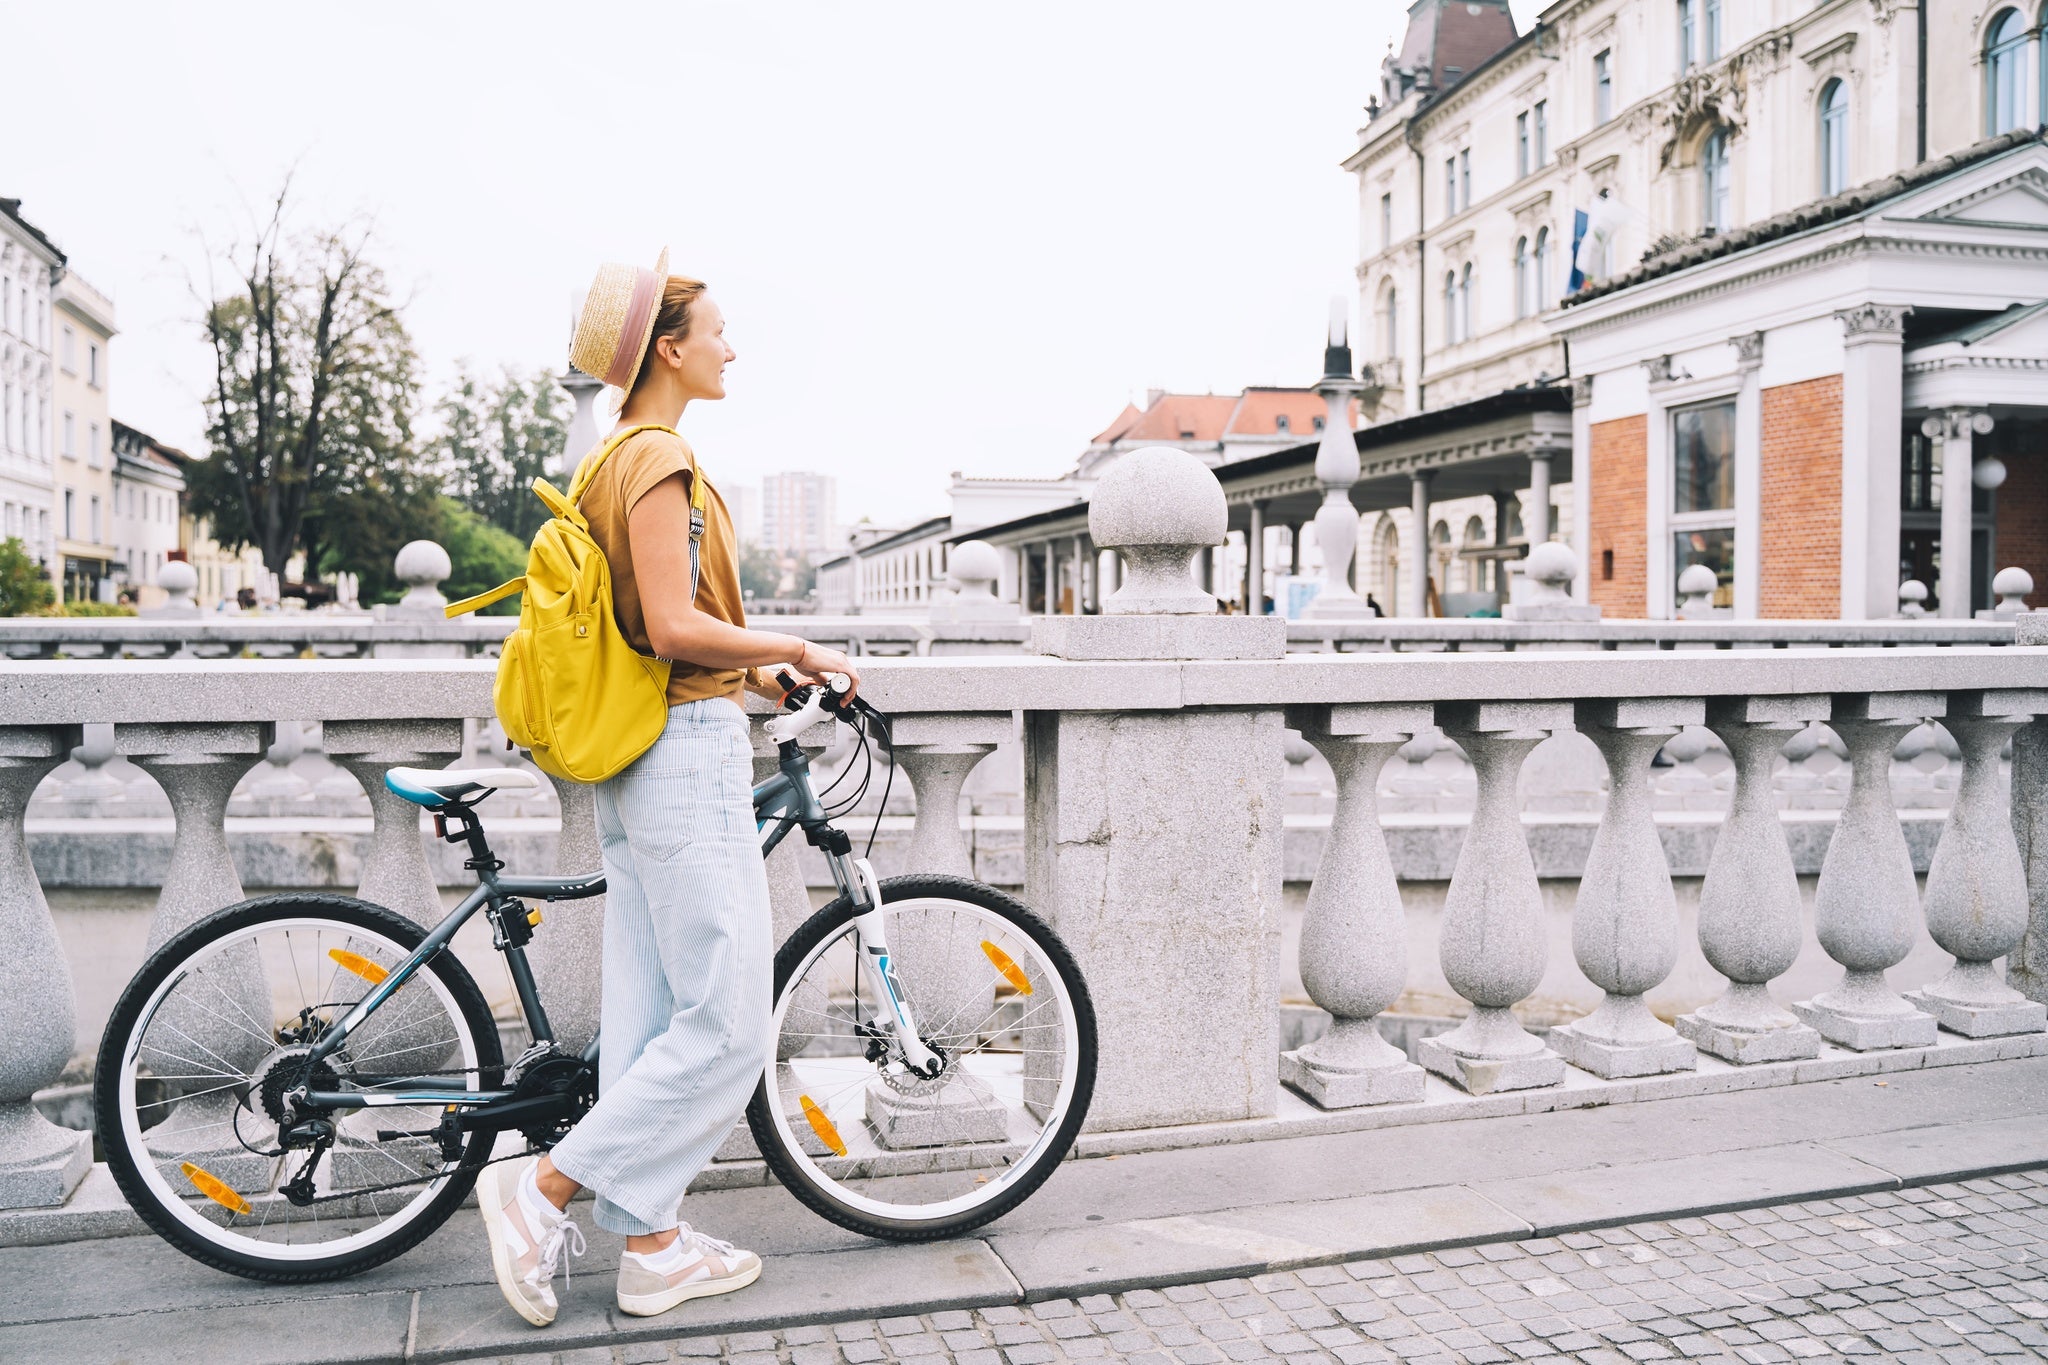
(893, 1013)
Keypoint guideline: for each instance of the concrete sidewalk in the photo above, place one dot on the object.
(1100, 1226)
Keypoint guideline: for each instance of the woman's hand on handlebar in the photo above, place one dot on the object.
(815, 661)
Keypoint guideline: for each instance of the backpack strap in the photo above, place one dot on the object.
(485, 599)
(589, 469)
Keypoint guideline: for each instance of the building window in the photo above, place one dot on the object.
(70, 436)
(1710, 30)
(1315, 423)
(1390, 322)
(1834, 137)
(1714, 181)
(92, 447)
(1603, 86)
(1523, 290)
(1540, 117)
(1450, 308)
(1386, 222)
(92, 363)
(1688, 36)
(1465, 303)
(1450, 186)
(94, 509)
(68, 356)
(2004, 47)
(1280, 423)
(1541, 269)
(1465, 178)
(70, 508)
(1521, 145)
(1703, 495)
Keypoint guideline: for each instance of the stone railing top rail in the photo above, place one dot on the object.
(1397, 632)
(320, 627)
(209, 691)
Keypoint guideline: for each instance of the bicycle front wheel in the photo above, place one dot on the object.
(216, 1030)
(869, 1143)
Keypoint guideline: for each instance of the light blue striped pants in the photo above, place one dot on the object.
(688, 968)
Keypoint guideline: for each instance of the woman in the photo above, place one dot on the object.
(687, 951)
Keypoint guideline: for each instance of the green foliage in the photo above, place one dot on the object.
(497, 437)
(25, 589)
(361, 532)
(483, 555)
(760, 571)
(94, 609)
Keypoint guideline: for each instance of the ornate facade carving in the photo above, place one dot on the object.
(1749, 350)
(1873, 321)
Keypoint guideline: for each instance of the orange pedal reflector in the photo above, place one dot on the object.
(822, 1126)
(357, 963)
(1007, 965)
(216, 1189)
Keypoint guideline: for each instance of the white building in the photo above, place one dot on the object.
(799, 513)
(83, 498)
(147, 489)
(30, 265)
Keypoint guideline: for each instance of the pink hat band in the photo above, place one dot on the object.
(640, 308)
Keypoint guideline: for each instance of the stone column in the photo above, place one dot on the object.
(1954, 429)
(1873, 389)
(1052, 581)
(198, 766)
(1867, 906)
(395, 871)
(1294, 549)
(1337, 470)
(1153, 836)
(1751, 917)
(1625, 924)
(1582, 484)
(40, 1163)
(1080, 579)
(567, 952)
(1492, 945)
(1415, 591)
(1976, 886)
(2027, 969)
(1749, 474)
(937, 753)
(1537, 524)
(1255, 560)
(1354, 937)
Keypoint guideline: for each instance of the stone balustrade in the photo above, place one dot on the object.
(1153, 836)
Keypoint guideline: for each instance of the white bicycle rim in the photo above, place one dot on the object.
(178, 1203)
(1028, 1160)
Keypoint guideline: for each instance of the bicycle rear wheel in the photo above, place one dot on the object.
(871, 1145)
(205, 1042)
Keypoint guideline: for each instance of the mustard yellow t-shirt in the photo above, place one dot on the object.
(627, 476)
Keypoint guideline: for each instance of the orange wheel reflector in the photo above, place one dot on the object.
(357, 963)
(822, 1126)
(1007, 965)
(216, 1189)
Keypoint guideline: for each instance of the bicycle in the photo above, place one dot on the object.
(302, 1086)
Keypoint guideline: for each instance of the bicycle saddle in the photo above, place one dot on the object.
(431, 787)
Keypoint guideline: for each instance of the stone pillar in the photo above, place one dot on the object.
(1954, 429)
(40, 1163)
(1080, 578)
(1976, 886)
(1625, 924)
(1751, 916)
(1153, 836)
(1867, 906)
(2027, 969)
(1255, 560)
(1873, 390)
(1415, 591)
(1337, 470)
(1052, 581)
(1582, 484)
(198, 766)
(1294, 548)
(567, 952)
(1354, 937)
(1537, 524)
(1749, 475)
(395, 870)
(938, 752)
(1492, 945)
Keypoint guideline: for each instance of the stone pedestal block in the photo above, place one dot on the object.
(1867, 1032)
(1533, 1067)
(1790, 1042)
(40, 1163)
(963, 1111)
(1159, 637)
(1617, 1057)
(1400, 1082)
(1991, 1020)
(1154, 848)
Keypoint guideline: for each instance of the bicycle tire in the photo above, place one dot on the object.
(345, 911)
(820, 1200)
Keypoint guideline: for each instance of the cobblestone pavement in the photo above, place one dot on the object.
(1947, 1273)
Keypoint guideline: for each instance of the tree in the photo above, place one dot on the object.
(309, 415)
(25, 589)
(482, 555)
(760, 571)
(496, 439)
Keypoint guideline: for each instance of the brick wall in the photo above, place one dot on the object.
(2022, 504)
(1618, 466)
(1802, 501)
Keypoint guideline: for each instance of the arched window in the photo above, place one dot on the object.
(1390, 322)
(1450, 308)
(1714, 181)
(2005, 45)
(1540, 272)
(1523, 292)
(1834, 137)
(1465, 303)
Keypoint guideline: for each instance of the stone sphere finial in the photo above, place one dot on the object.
(1157, 507)
(975, 566)
(1696, 584)
(422, 564)
(1553, 566)
(1912, 598)
(2011, 584)
(179, 580)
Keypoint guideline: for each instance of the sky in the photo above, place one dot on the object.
(945, 237)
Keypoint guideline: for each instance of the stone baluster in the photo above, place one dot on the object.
(1493, 944)
(40, 1163)
(1354, 937)
(395, 870)
(947, 976)
(1625, 923)
(1751, 917)
(1976, 894)
(567, 952)
(1867, 906)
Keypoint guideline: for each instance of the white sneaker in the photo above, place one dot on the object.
(528, 1235)
(691, 1267)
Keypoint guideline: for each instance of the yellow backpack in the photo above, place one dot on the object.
(570, 688)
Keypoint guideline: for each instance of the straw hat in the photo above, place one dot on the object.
(617, 322)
